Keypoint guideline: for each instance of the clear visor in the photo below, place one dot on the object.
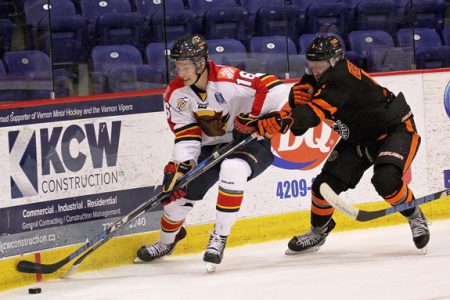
(182, 68)
(318, 66)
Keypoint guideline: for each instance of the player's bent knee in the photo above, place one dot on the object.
(387, 179)
(178, 210)
(234, 173)
(336, 185)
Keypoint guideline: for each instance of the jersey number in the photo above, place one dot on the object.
(246, 78)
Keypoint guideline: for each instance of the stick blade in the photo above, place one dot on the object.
(25, 266)
(332, 198)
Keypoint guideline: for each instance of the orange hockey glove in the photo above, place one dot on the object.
(300, 93)
(275, 122)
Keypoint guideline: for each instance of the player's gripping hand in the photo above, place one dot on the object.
(244, 125)
(300, 93)
(172, 172)
(275, 122)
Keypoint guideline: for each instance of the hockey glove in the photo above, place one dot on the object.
(244, 125)
(275, 122)
(300, 93)
(172, 172)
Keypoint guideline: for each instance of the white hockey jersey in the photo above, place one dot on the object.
(230, 91)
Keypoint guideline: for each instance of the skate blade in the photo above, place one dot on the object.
(138, 261)
(310, 250)
(210, 267)
(424, 250)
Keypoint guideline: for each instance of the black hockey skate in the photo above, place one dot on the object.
(214, 251)
(419, 229)
(150, 252)
(310, 241)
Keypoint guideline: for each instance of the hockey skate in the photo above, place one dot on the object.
(150, 252)
(419, 229)
(310, 241)
(214, 251)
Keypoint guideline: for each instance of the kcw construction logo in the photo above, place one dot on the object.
(48, 159)
(304, 152)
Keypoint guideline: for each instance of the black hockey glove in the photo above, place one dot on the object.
(244, 125)
(172, 172)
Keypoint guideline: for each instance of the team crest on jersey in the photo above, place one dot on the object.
(227, 73)
(182, 103)
(219, 98)
(341, 129)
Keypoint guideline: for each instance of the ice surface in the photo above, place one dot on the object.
(379, 263)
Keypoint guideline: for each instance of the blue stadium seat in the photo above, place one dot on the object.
(264, 48)
(272, 45)
(232, 53)
(376, 14)
(69, 37)
(34, 69)
(369, 40)
(179, 20)
(34, 63)
(328, 16)
(424, 13)
(6, 31)
(133, 78)
(423, 37)
(36, 10)
(220, 19)
(112, 22)
(429, 50)
(200, 7)
(120, 68)
(156, 55)
(273, 19)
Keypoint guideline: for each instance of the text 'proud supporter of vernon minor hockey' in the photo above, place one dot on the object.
(63, 158)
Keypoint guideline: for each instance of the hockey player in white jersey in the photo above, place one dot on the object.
(208, 105)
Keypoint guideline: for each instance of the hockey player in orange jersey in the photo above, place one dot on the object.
(376, 128)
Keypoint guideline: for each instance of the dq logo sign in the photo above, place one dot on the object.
(59, 150)
(447, 99)
(304, 152)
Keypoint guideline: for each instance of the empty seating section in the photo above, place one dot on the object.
(119, 68)
(124, 45)
(30, 74)
(424, 13)
(429, 51)
(112, 22)
(378, 14)
(178, 19)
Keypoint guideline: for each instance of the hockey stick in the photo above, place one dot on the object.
(33, 267)
(363, 215)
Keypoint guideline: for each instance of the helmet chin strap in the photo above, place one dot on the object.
(200, 74)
